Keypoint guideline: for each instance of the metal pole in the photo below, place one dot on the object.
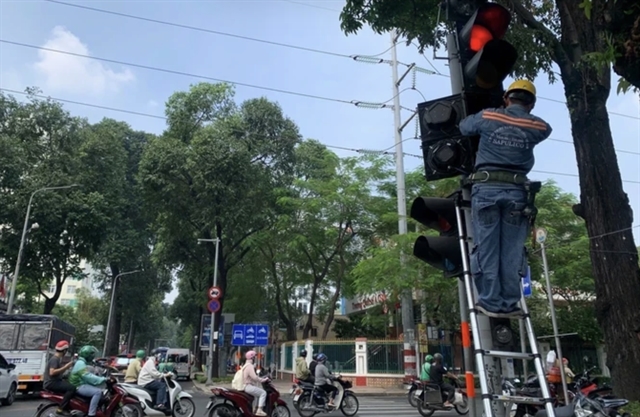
(14, 280)
(408, 326)
(213, 334)
(455, 70)
(554, 322)
(113, 296)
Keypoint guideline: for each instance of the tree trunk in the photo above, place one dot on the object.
(50, 303)
(288, 321)
(608, 215)
(334, 299)
(312, 302)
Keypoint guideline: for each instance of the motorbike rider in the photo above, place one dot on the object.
(53, 377)
(86, 383)
(313, 364)
(133, 370)
(149, 378)
(250, 378)
(302, 370)
(424, 374)
(323, 378)
(436, 374)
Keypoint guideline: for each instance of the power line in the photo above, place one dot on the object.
(199, 29)
(155, 116)
(285, 45)
(174, 72)
(311, 5)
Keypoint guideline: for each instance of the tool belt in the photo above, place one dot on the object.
(498, 176)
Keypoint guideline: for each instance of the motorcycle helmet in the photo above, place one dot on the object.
(141, 354)
(322, 357)
(62, 345)
(428, 358)
(88, 353)
(250, 355)
(303, 353)
(437, 357)
(315, 357)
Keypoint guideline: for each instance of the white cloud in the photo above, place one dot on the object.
(72, 74)
(152, 103)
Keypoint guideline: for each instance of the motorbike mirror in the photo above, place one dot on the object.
(585, 359)
(516, 380)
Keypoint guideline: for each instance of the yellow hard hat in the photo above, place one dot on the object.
(524, 85)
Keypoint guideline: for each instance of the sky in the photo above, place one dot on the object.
(321, 78)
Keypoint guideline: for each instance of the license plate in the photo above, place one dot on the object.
(292, 391)
(296, 397)
(418, 393)
(22, 386)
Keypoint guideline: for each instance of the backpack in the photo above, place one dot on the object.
(238, 380)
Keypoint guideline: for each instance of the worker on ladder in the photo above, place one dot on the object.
(499, 196)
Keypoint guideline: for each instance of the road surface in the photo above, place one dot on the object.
(369, 406)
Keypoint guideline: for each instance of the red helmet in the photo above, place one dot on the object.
(62, 346)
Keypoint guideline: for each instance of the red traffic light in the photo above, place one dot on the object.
(480, 35)
(490, 21)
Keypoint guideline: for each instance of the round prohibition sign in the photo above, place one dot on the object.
(213, 306)
(214, 293)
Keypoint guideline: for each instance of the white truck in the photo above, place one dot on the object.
(28, 341)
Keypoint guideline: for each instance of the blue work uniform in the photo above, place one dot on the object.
(498, 261)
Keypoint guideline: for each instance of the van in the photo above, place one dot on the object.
(181, 359)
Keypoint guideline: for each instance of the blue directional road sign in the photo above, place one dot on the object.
(526, 283)
(250, 335)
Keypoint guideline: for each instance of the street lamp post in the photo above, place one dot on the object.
(14, 281)
(113, 296)
(212, 334)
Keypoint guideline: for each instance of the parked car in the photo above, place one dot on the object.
(8, 382)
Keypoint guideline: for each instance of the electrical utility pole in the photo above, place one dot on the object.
(408, 324)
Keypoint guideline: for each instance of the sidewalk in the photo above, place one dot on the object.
(285, 386)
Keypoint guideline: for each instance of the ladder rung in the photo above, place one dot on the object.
(507, 355)
(518, 399)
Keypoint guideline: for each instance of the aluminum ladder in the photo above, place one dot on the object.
(479, 352)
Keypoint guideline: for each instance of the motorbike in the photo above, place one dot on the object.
(115, 402)
(414, 385)
(227, 402)
(581, 405)
(179, 403)
(431, 399)
(309, 400)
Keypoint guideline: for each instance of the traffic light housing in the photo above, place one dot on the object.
(487, 59)
(442, 252)
(445, 151)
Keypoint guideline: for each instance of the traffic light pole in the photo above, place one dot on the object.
(408, 325)
(484, 325)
